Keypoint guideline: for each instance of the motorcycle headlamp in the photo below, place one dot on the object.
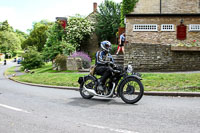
(129, 69)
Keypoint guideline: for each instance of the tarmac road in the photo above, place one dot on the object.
(31, 109)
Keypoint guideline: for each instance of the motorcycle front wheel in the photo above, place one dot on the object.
(88, 83)
(131, 90)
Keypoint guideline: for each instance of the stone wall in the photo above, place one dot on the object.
(167, 6)
(91, 46)
(160, 37)
(147, 6)
(157, 57)
(180, 6)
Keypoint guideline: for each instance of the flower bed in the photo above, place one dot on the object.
(193, 46)
(184, 48)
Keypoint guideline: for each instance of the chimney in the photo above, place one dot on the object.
(94, 7)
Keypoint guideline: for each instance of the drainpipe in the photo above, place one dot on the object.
(160, 6)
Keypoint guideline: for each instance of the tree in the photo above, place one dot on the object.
(66, 41)
(55, 42)
(4, 26)
(108, 20)
(9, 41)
(37, 35)
(32, 58)
(78, 30)
(21, 35)
(126, 7)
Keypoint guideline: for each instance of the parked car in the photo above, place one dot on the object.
(19, 61)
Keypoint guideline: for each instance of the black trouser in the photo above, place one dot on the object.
(104, 71)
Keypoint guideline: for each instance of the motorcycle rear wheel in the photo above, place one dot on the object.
(131, 90)
(89, 83)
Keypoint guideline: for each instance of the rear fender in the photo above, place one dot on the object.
(81, 80)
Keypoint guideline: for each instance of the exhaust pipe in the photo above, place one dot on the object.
(90, 91)
(93, 92)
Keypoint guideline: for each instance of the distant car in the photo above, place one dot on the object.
(19, 61)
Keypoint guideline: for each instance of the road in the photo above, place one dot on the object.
(31, 109)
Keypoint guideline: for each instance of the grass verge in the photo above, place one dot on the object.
(152, 81)
(10, 71)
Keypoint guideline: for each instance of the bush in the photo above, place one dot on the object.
(86, 60)
(61, 61)
(32, 59)
(113, 49)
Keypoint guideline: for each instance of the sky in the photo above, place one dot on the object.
(22, 13)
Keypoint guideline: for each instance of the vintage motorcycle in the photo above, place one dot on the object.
(122, 83)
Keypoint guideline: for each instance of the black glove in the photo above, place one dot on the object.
(110, 64)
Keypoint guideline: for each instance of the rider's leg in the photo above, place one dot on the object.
(104, 77)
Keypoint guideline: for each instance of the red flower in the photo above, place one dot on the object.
(194, 40)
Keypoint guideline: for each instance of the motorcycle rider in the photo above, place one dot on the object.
(103, 58)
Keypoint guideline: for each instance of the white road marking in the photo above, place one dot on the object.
(13, 108)
(108, 128)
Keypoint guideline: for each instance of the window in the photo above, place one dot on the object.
(194, 27)
(167, 27)
(145, 27)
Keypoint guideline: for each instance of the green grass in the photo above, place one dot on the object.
(151, 81)
(10, 71)
(171, 82)
(58, 79)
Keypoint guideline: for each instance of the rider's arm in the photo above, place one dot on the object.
(99, 58)
(111, 58)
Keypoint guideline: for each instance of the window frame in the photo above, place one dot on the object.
(145, 27)
(167, 25)
(191, 27)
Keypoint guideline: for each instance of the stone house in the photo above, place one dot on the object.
(154, 26)
(91, 46)
(155, 23)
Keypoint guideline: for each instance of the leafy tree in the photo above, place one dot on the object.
(108, 20)
(126, 7)
(55, 41)
(21, 35)
(66, 41)
(9, 41)
(4, 26)
(78, 30)
(37, 35)
(32, 59)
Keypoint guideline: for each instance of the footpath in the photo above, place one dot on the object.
(151, 93)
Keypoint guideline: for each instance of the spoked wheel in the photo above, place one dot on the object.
(131, 90)
(89, 84)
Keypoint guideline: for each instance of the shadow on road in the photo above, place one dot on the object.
(97, 101)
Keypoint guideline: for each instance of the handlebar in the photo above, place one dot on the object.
(116, 71)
